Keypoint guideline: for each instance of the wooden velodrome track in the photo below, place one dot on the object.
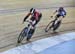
(12, 13)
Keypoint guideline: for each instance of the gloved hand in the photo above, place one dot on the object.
(51, 16)
(64, 16)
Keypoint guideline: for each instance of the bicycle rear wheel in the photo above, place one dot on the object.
(22, 35)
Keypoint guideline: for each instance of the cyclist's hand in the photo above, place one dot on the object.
(51, 16)
(23, 21)
(64, 16)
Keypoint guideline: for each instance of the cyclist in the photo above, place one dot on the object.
(35, 18)
(61, 12)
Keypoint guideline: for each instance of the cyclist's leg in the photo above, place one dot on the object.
(55, 25)
(31, 31)
(30, 34)
(56, 18)
(58, 23)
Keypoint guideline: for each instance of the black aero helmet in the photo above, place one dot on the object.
(61, 8)
(32, 10)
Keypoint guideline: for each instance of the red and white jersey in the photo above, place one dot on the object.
(36, 14)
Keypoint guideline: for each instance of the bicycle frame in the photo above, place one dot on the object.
(29, 27)
(54, 24)
(27, 31)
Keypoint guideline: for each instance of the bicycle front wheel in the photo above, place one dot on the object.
(22, 35)
(30, 34)
(48, 27)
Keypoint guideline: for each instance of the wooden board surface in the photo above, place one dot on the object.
(12, 13)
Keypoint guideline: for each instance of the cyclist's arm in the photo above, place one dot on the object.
(54, 13)
(26, 17)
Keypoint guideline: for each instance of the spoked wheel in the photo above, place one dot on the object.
(22, 35)
(57, 25)
(48, 27)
